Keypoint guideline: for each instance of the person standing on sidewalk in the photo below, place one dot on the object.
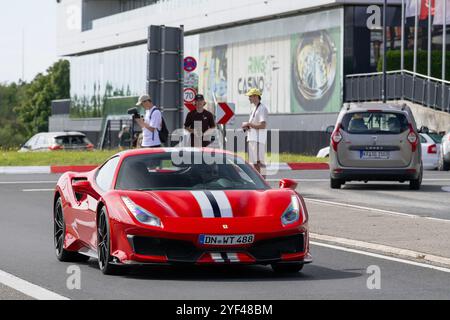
(151, 124)
(256, 129)
(199, 122)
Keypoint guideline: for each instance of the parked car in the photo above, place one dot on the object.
(375, 142)
(324, 153)
(444, 154)
(431, 146)
(53, 141)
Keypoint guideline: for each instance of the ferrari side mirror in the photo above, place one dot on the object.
(84, 187)
(288, 184)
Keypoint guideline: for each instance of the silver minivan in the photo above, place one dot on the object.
(375, 142)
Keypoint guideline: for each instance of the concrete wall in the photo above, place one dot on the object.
(93, 9)
(195, 15)
(65, 123)
(434, 120)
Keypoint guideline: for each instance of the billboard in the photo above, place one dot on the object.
(298, 73)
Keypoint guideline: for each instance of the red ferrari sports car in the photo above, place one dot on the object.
(178, 206)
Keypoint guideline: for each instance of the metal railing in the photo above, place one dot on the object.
(401, 85)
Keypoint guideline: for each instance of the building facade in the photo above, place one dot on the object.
(296, 52)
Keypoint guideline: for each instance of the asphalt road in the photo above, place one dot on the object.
(26, 250)
(433, 200)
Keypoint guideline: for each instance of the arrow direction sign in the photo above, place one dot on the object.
(225, 113)
(190, 106)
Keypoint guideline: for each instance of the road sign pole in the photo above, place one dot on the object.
(384, 93)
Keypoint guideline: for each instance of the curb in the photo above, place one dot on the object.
(45, 169)
(383, 249)
(87, 168)
(64, 169)
(308, 166)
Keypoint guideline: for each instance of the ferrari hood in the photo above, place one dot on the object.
(215, 204)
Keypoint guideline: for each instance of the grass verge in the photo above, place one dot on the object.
(68, 158)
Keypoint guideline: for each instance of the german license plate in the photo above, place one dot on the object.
(210, 240)
(377, 155)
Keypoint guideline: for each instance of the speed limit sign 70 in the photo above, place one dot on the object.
(189, 95)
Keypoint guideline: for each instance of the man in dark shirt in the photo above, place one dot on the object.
(198, 122)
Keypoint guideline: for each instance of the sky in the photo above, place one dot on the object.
(36, 19)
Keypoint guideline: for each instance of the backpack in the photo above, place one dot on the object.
(164, 132)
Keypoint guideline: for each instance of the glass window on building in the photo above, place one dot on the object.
(363, 47)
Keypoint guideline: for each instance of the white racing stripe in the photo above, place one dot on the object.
(28, 288)
(233, 257)
(203, 202)
(224, 204)
(217, 257)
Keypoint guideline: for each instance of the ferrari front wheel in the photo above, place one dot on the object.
(287, 267)
(104, 245)
(59, 233)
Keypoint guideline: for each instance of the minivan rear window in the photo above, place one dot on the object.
(375, 123)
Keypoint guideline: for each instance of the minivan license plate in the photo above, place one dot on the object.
(369, 155)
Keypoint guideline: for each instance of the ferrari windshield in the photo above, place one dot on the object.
(187, 171)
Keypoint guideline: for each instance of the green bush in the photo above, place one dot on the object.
(394, 62)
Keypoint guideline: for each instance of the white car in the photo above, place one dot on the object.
(324, 153)
(430, 150)
(444, 156)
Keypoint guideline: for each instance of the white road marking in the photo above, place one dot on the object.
(381, 248)
(328, 180)
(38, 190)
(380, 256)
(387, 212)
(25, 170)
(27, 182)
(28, 288)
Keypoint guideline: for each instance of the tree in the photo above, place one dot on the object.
(34, 108)
(11, 131)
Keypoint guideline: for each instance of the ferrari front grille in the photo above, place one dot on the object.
(273, 248)
(174, 250)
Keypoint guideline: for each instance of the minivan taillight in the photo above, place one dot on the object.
(432, 149)
(413, 138)
(336, 138)
(55, 147)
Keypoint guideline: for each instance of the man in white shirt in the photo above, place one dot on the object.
(256, 129)
(151, 124)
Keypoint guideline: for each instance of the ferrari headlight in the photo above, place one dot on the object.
(142, 215)
(292, 213)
